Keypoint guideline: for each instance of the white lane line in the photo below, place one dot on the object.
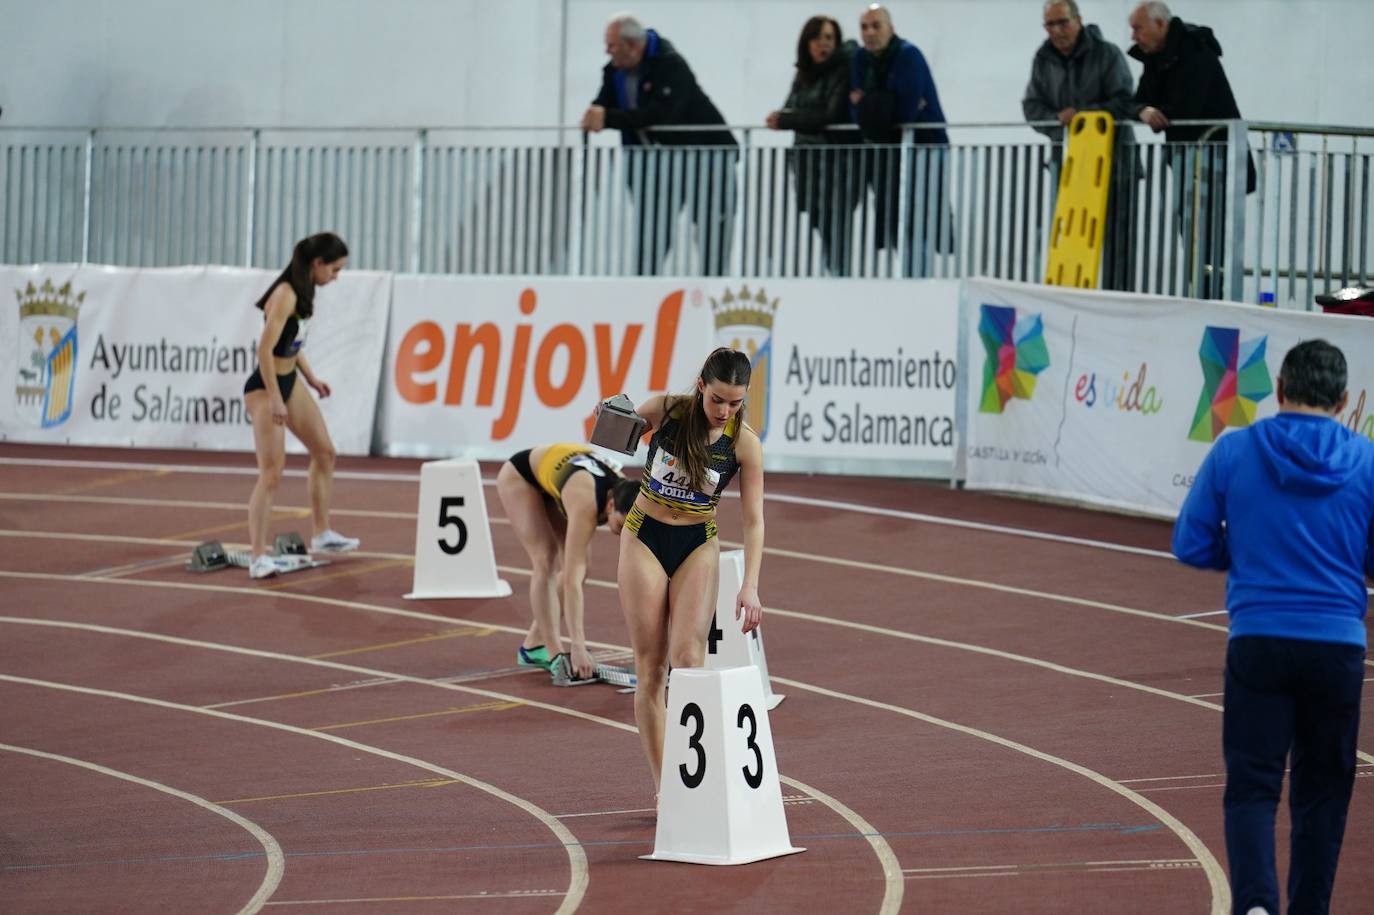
(246, 470)
(1216, 878)
(794, 614)
(514, 894)
(770, 551)
(892, 896)
(276, 861)
(1194, 616)
(238, 507)
(981, 584)
(828, 504)
(577, 857)
(968, 525)
(777, 497)
(1003, 870)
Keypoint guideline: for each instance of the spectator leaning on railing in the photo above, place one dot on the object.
(819, 97)
(1183, 80)
(647, 84)
(1075, 70)
(890, 85)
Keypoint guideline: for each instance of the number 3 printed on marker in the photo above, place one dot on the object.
(692, 778)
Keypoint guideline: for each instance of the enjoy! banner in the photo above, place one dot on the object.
(848, 376)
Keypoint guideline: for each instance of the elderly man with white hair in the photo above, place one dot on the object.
(1183, 80)
(647, 84)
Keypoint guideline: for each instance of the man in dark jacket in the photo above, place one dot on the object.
(1184, 80)
(1075, 70)
(647, 84)
(890, 85)
(1286, 508)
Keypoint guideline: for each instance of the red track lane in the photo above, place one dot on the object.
(1003, 710)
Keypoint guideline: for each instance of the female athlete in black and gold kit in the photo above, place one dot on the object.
(669, 555)
(555, 496)
(276, 404)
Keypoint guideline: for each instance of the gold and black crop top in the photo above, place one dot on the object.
(666, 485)
(564, 459)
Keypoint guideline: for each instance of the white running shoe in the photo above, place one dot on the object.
(331, 541)
(263, 566)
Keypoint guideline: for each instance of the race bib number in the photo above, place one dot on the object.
(586, 462)
(668, 481)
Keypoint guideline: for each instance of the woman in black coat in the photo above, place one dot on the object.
(819, 98)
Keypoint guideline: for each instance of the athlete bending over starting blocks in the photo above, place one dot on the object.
(670, 565)
(555, 496)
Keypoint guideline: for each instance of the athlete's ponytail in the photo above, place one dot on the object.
(328, 248)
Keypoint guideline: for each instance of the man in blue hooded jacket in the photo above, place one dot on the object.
(1286, 507)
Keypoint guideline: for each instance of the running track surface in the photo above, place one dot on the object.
(979, 717)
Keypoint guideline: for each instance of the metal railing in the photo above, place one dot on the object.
(454, 200)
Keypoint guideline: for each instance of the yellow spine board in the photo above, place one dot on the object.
(1080, 212)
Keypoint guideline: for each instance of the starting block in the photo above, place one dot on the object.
(616, 675)
(289, 548)
(727, 646)
(720, 799)
(453, 552)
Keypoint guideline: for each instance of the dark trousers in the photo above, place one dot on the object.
(827, 188)
(663, 181)
(1119, 236)
(1287, 695)
(929, 221)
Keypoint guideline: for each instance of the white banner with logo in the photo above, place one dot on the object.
(853, 376)
(158, 358)
(1114, 399)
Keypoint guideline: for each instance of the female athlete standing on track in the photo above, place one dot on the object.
(276, 403)
(670, 562)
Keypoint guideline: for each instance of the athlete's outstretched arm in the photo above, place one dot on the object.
(749, 453)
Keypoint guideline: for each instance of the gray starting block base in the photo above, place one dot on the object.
(616, 676)
(604, 673)
(289, 548)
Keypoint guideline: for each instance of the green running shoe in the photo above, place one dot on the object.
(538, 656)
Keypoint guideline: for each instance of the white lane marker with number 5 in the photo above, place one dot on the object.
(453, 552)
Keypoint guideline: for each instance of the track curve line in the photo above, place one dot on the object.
(894, 882)
(501, 627)
(1216, 877)
(276, 861)
(577, 858)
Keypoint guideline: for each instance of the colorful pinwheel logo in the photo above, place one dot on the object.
(1235, 380)
(1016, 353)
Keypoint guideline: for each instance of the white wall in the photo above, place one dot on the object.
(466, 62)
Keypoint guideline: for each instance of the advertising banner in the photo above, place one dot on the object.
(158, 358)
(1114, 399)
(849, 376)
